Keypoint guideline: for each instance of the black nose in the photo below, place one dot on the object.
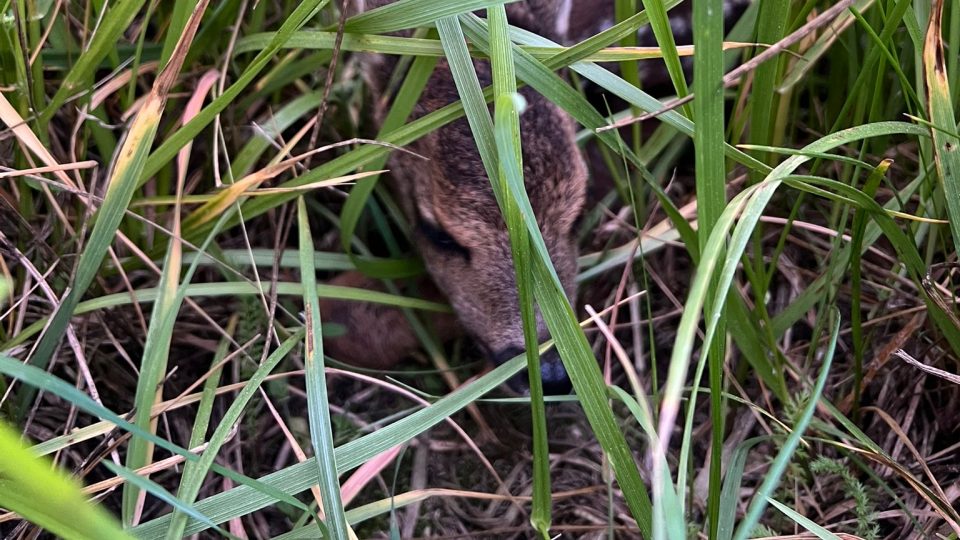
(552, 374)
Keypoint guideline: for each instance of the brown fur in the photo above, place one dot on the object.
(450, 194)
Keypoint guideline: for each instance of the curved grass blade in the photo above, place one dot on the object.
(148, 486)
(47, 382)
(802, 520)
(751, 203)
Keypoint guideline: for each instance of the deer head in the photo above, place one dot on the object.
(459, 230)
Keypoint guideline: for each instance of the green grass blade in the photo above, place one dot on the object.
(507, 137)
(153, 367)
(802, 520)
(771, 28)
(148, 486)
(318, 409)
(31, 487)
(730, 499)
(41, 379)
(352, 211)
(856, 283)
(708, 140)
(405, 14)
(626, 91)
(660, 24)
(750, 203)
(232, 289)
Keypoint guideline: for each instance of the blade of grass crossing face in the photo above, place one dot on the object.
(708, 114)
(571, 343)
(318, 409)
(780, 463)
(43, 495)
(507, 135)
(946, 147)
(120, 188)
(230, 289)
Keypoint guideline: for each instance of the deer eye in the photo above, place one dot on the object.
(441, 239)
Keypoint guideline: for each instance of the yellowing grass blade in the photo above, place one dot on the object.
(156, 348)
(946, 146)
(120, 188)
(29, 139)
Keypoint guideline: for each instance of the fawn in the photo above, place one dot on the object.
(458, 229)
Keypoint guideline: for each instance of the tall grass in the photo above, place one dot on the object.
(794, 223)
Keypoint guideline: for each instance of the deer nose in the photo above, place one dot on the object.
(552, 373)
